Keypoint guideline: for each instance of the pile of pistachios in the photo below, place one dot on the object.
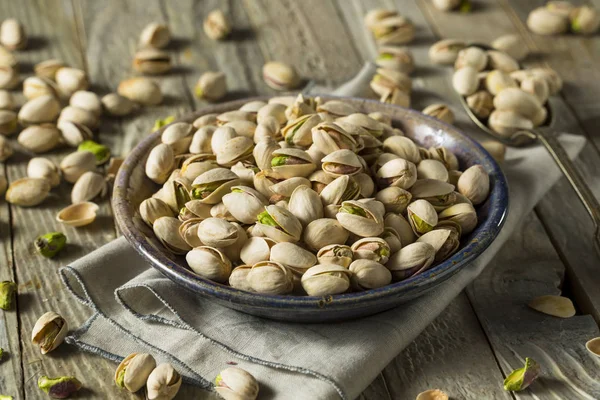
(558, 17)
(497, 91)
(300, 196)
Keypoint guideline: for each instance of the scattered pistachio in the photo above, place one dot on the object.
(593, 346)
(584, 20)
(28, 192)
(155, 35)
(163, 383)
(79, 214)
(39, 138)
(236, 383)
(521, 378)
(116, 105)
(432, 394)
(8, 291)
(152, 61)
(50, 244)
(76, 164)
(141, 90)
(12, 34)
(49, 332)
(133, 372)
(211, 86)
(59, 388)
(69, 80)
(557, 306)
(280, 76)
(546, 22)
(101, 152)
(217, 25)
(47, 69)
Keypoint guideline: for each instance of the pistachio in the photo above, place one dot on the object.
(27, 192)
(116, 105)
(396, 97)
(152, 209)
(335, 254)
(324, 232)
(133, 372)
(462, 213)
(69, 80)
(236, 383)
(141, 90)
(86, 100)
(561, 7)
(517, 100)
(481, 103)
(536, 86)
(386, 80)
(369, 274)
(372, 248)
(7, 102)
(445, 156)
(217, 25)
(473, 57)
(432, 394)
(73, 133)
(209, 263)
(397, 172)
(79, 214)
(445, 242)
(8, 59)
(59, 388)
(441, 112)
(584, 20)
(496, 81)
(465, 80)
(166, 230)
(238, 278)
(545, 22)
(80, 116)
(43, 168)
(446, 51)
(396, 58)
(421, 216)
(557, 306)
(159, 164)
(8, 292)
(507, 122)
(299, 131)
(50, 244)
(76, 164)
(593, 346)
(155, 35)
(35, 86)
(101, 152)
(47, 69)
(521, 378)
(501, 61)
(12, 34)
(280, 76)
(212, 86)
(152, 61)
(377, 14)
(201, 140)
(39, 138)
(49, 332)
(341, 162)
(88, 186)
(393, 30)
(163, 383)
(305, 204)
(8, 122)
(511, 44)
(362, 219)
(39, 110)
(9, 76)
(326, 279)
(411, 260)
(474, 183)
(279, 224)
(212, 185)
(432, 169)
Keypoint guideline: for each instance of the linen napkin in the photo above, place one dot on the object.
(136, 309)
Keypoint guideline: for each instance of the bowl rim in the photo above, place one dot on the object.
(483, 236)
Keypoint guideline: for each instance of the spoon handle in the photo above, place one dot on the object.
(567, 167)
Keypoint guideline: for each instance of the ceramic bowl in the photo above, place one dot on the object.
(132, 186)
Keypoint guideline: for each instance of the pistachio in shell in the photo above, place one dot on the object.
(326, 279)
(462, 213)
(212, 185)
(49, 332)
(133, 372)
(153, 208)
(88, 186)
(293, 256)
(76, 164)
(39, 110)
(28, 192)
(270, 277)
(338, 254)
(210, 263)
(341, 162)
(141, 90)
(211, 86)
(305, 204)
(323, 232)
(362, 219)
(421, 216)
(236, 383)
(155, 35)
(280, 76)
(166, 230)
(238, 278)
(410, 260)
(369, 274)
(474, 183)
(279, 224)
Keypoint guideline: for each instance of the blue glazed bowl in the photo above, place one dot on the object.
(132, 187)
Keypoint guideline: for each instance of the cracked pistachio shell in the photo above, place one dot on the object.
(441, 112)
(517, 100)
(28, 192)
(584, 20)
(133, 372)
(396, 58)
(86, 100)
(39, 110)
(12, 34)
(220, 136)
(155, 35)
(210, 263)
(496, 81)
(421, 216)
(342, 162)
(557, 306)
(195, 209)
(211, 86)
(481, 103)
(163, 383)
(394, 199)
(386, 80)
(152, 209)
(270, 277)
(69, 80)
(473, 57)
(35, 86)
(73, 133)
(397, 172)
(593, 346)
(151, 61)
(393, 30)
(366, 184)
(508, 122)
(244, 203)
(546, 22)
(462, 213)
(298, 132)
(290, 163)
(245, 170)
(293, 256)
(319, 180)
(337, 108)
(201, 140)
(189, 232)
(445, 156)
(216, 232)
(410, 260)
(76, 164)
(235, 150)
(179, 136)
(9, 76)
(338, 254)
(362, 219)
(279, 224)
(299, 108)
(511, 44)
(432, 169)
(371, 248)
(256, 249)
(439, 194)
(323, 232)
(403, 147)
(233, 251)
(6, 149)
(444, 241)
(238, 278)
(116, 105)
(49, 332)
(79, 115)
(465, 80)
(474, 183)
(329, 137)
(501, 61)
(280, 76)
(369, 274)
(446, 51)
(166, 230)
(538, 87)
(263, 182)
(343, 188)
(88, 186)
(211, 186)
(141, 90)
(432, 394)
(160, 163)
(326, 279)
(305, 204)
(263, 153)
(236, 384)
(372, 126)
(8, 122)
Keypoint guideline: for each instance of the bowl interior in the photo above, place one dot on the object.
(132, 187)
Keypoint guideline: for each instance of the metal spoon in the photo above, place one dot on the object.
(548, 137)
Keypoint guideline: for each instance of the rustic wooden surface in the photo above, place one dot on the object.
(478, 339)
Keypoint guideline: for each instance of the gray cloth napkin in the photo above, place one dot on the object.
(137, 309)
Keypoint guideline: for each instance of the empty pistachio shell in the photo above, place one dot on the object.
(141, 90)
(39, 110)
(12, 34)
(69, 80)
(326, 279)
(163, 383)
(593, 346)
(49, 332)
(8, 122)
(133, 372)
(545, 22)
(584, 20)
(465, 80)
(441, 112)
(77, 215)
(521, 378)
(28, 192)
(212, 86)
(432, 394)
(270, 277)
(280, 76)
(116, 105)
(235, 383)
(557, 306)
(155, 35)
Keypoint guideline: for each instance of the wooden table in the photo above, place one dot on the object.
(485, 333)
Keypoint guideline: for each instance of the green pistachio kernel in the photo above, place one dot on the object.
(5, 397)
(159, 123)
(521, 378)
(8, 291)
(237, 190)
(353, 210)
(101, 152)
(385, 56)
(383, 252)
(266, 219)
(1, 353)
(121, 378)
(50, 244)
(59, 388)
(203, 191)
(422, 226)
(279, 161)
